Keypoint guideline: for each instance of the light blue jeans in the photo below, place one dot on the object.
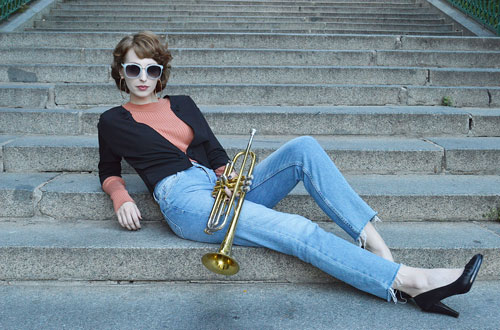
(185, 200)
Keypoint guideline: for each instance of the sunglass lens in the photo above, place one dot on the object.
(154, 71)
(133, 70)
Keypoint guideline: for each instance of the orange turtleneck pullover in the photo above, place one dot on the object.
(160, 117)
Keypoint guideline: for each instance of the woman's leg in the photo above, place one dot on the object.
(374, 243)
(303, 159)
(298, 236)
(186, 202)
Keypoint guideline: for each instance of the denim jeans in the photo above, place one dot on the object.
(185, 200)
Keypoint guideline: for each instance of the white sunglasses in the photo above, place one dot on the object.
(134, 70)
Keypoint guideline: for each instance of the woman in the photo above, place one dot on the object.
(172, 148)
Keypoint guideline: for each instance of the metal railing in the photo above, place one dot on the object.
(7, 7)
(485, 11)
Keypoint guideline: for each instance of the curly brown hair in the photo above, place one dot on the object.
(146, 44)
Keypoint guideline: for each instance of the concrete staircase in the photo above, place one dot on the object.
(368, 79)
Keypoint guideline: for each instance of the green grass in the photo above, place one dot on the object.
(447, 101)
(493, 214)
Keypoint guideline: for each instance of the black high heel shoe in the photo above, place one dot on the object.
(430, 301)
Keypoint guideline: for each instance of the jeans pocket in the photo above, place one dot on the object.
(209, 173)
(175, 228)
(165, 186)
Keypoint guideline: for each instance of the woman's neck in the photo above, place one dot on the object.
(147, 107)
(143, 100)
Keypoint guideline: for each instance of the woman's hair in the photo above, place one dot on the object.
(146, 44)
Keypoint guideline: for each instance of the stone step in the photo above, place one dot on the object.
(357, 155)
(238, 305)
(266, 57)
(356, 75)
(26, 95)
(396, 198)
(366, 18)
(228, 26)
(381, 30)
(352, 155)
(243, 7)
(255, 40)
(332, 120)
(103, 251)
(249, 17)
(245, 2)
(197, 10)
(85, 95)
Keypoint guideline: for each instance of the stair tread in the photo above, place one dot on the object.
(169, 258)
(365, 184)
(337, 142)
(40, 232)
(271, 306)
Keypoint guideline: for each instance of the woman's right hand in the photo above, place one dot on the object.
(129, 216)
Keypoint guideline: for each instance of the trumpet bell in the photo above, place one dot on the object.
(220, 263)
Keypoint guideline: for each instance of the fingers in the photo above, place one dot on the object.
(228, 192)
(129, 216)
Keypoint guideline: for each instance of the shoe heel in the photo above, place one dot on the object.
(441, 308)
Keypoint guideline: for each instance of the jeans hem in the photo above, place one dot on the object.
(391, 295)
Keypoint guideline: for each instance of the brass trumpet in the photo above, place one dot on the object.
(221, 261)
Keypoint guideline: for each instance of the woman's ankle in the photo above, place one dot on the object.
(373, 242)
(415, 281)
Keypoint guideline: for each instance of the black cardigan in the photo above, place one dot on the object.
(148, 152)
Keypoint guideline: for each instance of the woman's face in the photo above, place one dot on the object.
(142, 88)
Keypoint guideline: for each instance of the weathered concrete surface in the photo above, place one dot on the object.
(268, 41)
(338, 120)
(437, 58)
(90, 95)
(397, 198)
(259, 94)
(24, 95)
(266, 306)
(84, 193)
(255, 74)
(228, 26)
(52, 153)
(459, 96)
(39, 121)
(283, 120)
(19, 193)
(52, 73)
(486, 122)
(4, 139)
(230, 56)
(102, 250)
(471, 155)
(351, 154)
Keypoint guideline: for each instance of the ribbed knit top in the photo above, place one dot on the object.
(162, 119)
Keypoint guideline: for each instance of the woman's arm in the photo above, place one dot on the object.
(126, 210)
(110, 176)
